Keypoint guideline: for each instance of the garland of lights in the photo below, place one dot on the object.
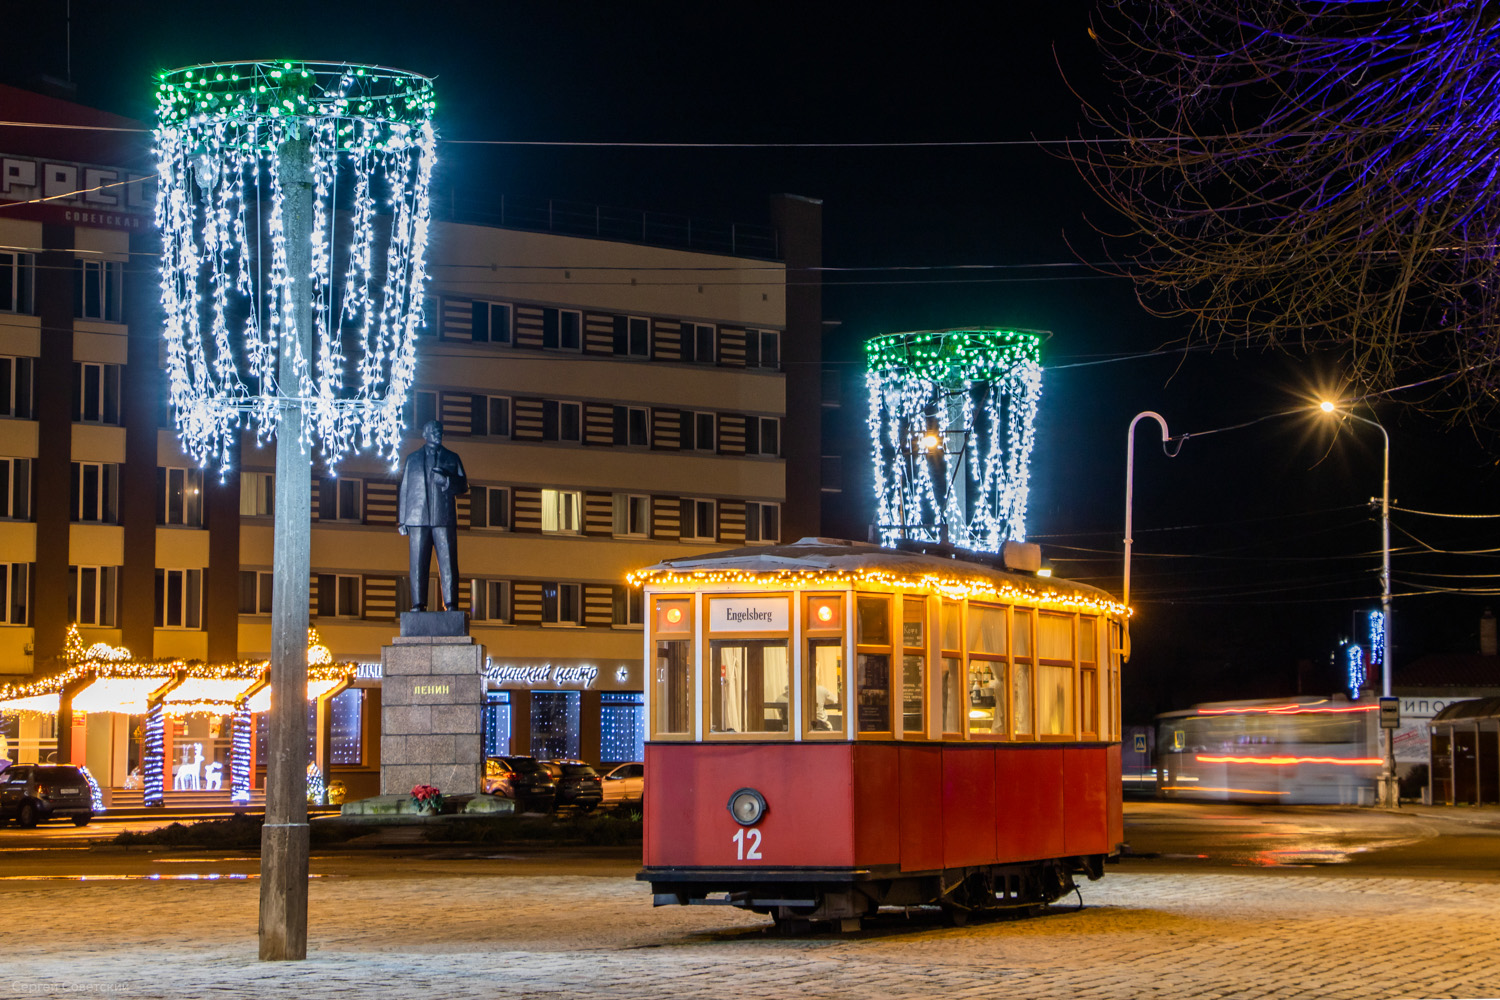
(952, 587)
(96, 794)
(1354, 658)
(239, 757)
(952, 422)
(153, 764)
(226, 291)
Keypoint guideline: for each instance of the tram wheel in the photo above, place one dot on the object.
(957, 916)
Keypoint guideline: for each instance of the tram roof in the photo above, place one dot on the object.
(835, 561)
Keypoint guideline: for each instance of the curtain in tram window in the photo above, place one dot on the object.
(731, 690)
(776, 694)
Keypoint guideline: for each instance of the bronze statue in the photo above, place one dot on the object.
(430, 481)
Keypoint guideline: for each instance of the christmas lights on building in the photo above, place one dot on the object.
(952, 421)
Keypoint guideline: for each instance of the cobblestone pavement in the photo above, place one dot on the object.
(419, 929)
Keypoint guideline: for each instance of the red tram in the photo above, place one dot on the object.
(836, 727)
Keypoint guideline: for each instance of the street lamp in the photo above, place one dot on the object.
(1388, 789)
(1129, 502)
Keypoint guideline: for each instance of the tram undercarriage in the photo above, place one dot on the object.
(798, 899)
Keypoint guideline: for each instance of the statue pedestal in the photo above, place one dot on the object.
(425, 623)
(432, 732)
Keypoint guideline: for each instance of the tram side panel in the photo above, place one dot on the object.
(808, 789)
(1029, 791)
(921, 809)
(1086, 820)
(970, 829)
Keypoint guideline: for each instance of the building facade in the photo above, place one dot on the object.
(614, 403)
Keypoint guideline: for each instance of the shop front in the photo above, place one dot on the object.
(593, 710)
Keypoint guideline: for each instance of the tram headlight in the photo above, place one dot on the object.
(747, 806)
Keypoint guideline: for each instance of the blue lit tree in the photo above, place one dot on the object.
(1315, 173)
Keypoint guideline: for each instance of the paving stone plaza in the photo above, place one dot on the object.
(471, 928)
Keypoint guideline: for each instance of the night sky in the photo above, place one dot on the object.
(1254, 546)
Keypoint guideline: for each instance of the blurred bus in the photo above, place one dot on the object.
(1291, 750)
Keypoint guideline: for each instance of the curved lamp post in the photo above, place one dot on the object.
(1129, 502)
(1388, 794)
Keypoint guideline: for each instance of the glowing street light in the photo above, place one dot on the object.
(1387, 790)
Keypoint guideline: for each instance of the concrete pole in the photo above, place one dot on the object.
(284, 839)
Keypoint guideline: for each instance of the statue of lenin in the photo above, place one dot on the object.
(430, 480)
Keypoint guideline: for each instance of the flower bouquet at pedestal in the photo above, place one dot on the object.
(427, 799)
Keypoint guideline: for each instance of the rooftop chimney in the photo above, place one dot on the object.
(1487, 633)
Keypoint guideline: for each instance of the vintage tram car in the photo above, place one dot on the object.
(837, 726)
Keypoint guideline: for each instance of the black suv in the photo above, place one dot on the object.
(32, 793)
(578, 784)
(522, 779)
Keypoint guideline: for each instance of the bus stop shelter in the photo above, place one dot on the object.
(1466, 753)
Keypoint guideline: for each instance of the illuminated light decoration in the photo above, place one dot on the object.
(952, 587)
(1281, 761)
(153, 764)
(674, 615)
(126, 695)
(825, 613)
(260, 701)
(239, 757)
(1377, 637)
(952, 421)
(316, 793)
(209, 695)
(318, 655)
(1354, 659)
(222, 132)
(1312, 709)
(96, 794)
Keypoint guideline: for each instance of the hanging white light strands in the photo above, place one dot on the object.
(952, 421)
(225, 286)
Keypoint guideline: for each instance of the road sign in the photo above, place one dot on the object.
(1140, 743)
(1390, 713)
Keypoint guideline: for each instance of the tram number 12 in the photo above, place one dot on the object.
(747, 844)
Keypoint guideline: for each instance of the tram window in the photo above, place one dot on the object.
(874, 693)
(1021, 641)
(823, 696)
(913, 695)
(874, 621)
(986, 696)
(1055, 699)
(914, 623)
(986, 629)
(954, 700)
(1087, 634)
(1088, 701)
(1054, 637)
(1020, 698)
(673, 687)
(751, 682)
(952, 633)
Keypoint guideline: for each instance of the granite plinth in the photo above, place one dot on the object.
(431, 723)
(434, 623)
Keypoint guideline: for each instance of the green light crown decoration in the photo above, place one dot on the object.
(222, 141)
(952, 420)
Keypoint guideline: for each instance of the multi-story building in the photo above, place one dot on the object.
(612, 401)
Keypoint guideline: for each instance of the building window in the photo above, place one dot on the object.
(562, 329)
(489, 601)
(698, 431)
(338, 596)
(340, 499)
(96, 289)
(763, 522)
(255, 592)
(762, 436)
(762, 349)
(632, 427)
(698, 343)
(96, 488)
(622, 728)
(633, 336)
(698, 520)
(491, 416)
(489, 507)
(632, 515)
(562, 421)
(555, 732)
(629, 602)
(561, 511)
(257, 494)
(91, 595)
(15, 593)
(179, 598)
(561, 604)
(346, 717)
(15, 488)
(182, 497)
(15, 387)
(423, 408)
(496, 723)
(491, 322)
(96, 393)
(17, 272)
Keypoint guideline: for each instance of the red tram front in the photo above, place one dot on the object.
(969, 759)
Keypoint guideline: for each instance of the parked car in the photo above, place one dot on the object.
(625, 785)
(34, 793)
(523, 779)
(578, 783)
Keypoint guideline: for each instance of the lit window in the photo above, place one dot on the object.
(561, 511)
(257, 494)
